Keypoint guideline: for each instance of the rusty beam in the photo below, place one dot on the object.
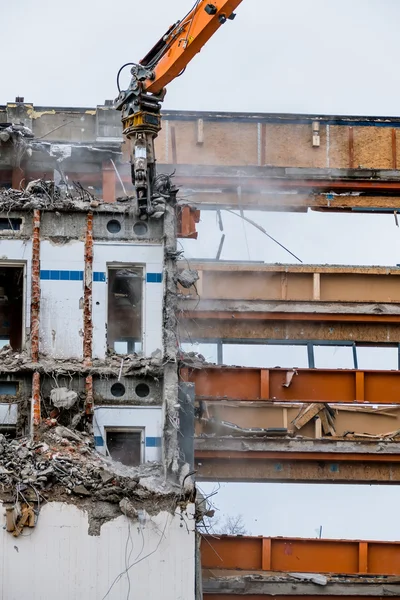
(297, 385)
(380, 593)
(294, 470)
(187, 219)
(193, 327)
(35, 403)
(87, 293)
(344, 557)
(35, 287)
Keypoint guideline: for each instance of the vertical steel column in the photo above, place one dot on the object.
(35, 315)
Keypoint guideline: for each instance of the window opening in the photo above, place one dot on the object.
(10, 224)
(125, 446)
(209, 351)
(334, 357)
(142, 390)
(265, 355)
(11, 306)
(117, 389)
(140, 228)
(375, 358)
(113, 226)
(125, 304)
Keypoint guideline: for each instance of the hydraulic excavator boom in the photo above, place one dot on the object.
(140, 104)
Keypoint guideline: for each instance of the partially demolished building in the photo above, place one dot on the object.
(101, 317)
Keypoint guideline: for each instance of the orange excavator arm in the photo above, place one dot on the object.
(140, 103)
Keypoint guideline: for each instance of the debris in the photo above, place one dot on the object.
(313, 577)
(227, 428)
(128, 509)
(305, 415)
(80, 490)
(63, 397)
(62, 465)
(187, 278)
(289, 377)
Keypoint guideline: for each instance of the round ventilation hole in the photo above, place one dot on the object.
(140, 228)
(113, 226)
(142, 390)
(117, 389)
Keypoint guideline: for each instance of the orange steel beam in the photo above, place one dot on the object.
(299, 385)
(224, 596)
(291, 316)
(345, 557)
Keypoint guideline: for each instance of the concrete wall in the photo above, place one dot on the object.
(58, 559)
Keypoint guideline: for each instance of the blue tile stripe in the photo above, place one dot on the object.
(62, 275)
(151, 442)
(154, 277)
(98, 276)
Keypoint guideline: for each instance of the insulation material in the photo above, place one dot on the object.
(61, 308)
(339, 147)
(291, 146)
(147, 419)
(60, 560)
(373, 147)
(151, 258)
(229, 144)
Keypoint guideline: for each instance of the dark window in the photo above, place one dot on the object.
(10, 224)
(8, 388)
(140, 228)
(113, 226)
(125, 299)
(117, 389)
(125, 446)
(11, 306)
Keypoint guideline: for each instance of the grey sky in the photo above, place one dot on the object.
(308, 56)
(278, 55)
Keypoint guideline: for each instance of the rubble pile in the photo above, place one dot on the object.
(43, 194)
(62, 465)
(13, 362)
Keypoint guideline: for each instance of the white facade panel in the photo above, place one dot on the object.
(58, 559)
(61, 299)
(8, 414)
(136, 417)
(151, 258)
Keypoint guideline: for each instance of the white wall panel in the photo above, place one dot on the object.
(61, 308)
(58, 559)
